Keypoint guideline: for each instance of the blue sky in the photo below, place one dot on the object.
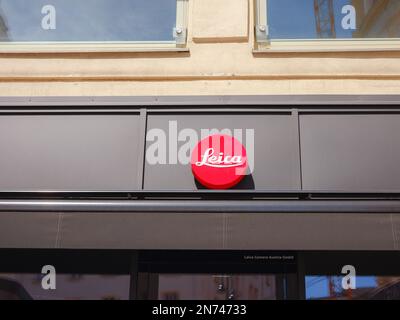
(91, 20)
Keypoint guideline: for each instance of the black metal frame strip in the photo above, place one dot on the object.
(202, 194)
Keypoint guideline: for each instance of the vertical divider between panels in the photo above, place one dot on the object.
(296, 120)
(142, 148)
(280, 287)
(134, 272)
(301, 276)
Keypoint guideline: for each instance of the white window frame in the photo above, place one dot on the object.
(179, 44)
(264, 44)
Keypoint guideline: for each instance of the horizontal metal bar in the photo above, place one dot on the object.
(280, 109)
(204, 194)
(198, 206)
(227, 110)
(243, 100)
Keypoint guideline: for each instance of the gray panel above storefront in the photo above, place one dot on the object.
(29, 229)
(276, 157)
(311, 231)
(169, 230)
(350, 151)
(69, 152)
(140, 230)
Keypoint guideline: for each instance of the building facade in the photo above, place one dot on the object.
(101, 109)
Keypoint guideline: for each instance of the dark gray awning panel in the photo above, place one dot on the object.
(152, 228)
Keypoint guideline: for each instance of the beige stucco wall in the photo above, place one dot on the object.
(220, 60)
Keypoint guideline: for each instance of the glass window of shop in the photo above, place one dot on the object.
(366, 288)
(28, 286)
(64, 275)
(218, 287)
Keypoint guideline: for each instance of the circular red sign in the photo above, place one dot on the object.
(219, 161)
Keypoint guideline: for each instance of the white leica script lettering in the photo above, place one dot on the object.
(219, 161)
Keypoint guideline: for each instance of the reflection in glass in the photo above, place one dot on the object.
(68, 287)
(87, 20)
(367, 288)
(216, 287)
(333, 19)
(3, 26)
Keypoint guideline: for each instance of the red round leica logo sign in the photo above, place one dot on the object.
(219, 161)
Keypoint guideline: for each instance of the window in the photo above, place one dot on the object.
(96, 24)
(219, 275)
(368, 288)
(328, 24)
(23, 286)
(218, 287)
(78, 274)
